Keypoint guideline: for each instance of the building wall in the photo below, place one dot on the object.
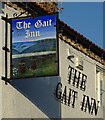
(35, 97)
(89, 68)
(103, 98)
(16, 105)
(0, 68)
(12, 103)
(25, 98)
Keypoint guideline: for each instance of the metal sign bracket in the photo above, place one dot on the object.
(7, 20)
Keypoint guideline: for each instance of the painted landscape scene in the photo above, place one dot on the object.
(34, 58)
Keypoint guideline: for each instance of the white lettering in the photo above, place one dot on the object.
(38, 24)
(32, 33)
(23, 25)
(19, 25)
(41, 23)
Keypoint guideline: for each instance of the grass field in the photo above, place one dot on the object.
(43, 68)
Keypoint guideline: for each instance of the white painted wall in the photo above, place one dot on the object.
(34, 98)
(103, 96)
(0, 62)
(25, 98)
(90, 70)
(16, 105)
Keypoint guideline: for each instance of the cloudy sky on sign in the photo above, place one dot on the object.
(19, 35)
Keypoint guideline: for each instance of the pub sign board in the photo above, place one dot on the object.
(34, 47)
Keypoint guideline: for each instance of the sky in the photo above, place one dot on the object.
(84, 17)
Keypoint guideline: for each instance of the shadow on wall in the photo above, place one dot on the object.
(40, 91)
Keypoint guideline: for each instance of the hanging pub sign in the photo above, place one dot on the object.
(34, 47)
